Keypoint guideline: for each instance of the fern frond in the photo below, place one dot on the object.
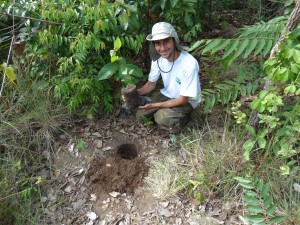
(255, 39)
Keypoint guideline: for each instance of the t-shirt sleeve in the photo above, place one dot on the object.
(154, 72)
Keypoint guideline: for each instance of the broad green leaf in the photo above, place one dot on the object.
(276, 219)
(259, 47)
(290, 89)
(3, 66)
(268, 200)
(255, 218)
(241, 48)
(134, 70)
(265, 190)
(231, 48)
(235, 93)
(244, 180)
(251, 130)
(195, 45)
(295, 68)
(250, 47)
(250, 193)
(246, 185)
(207, 104)
(271, 209)
(261, 142)
(117, 44)
(11, 74)
(108, 70)
(213, 99)
(255, 103)
(211, 45)
(250, 200)
(163, 3)
(222, 45)
(268, 47)
(248, 146)
(254, 208)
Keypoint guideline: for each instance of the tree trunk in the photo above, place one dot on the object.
(291, 25)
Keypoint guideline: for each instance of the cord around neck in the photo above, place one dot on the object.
(171, 66)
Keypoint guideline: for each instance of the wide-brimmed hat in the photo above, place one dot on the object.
(161, 31)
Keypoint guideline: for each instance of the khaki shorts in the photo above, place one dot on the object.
(167, 117)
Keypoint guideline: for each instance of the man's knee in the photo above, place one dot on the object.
(162, 118)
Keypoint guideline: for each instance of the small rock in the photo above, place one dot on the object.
(68, 189)
(101, 222)
(93, 197)
(91, 215)
(97, 134)
(62, 137)
(56, 173)
(46, 154)
(114, 194)
(106, 148)
(296, 187)
(98, 143)
(104, 207)
(164, 204)
(106, 201)
(164, 212)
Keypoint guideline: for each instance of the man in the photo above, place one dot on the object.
(179, 71)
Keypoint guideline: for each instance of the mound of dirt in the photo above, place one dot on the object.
(116, 172)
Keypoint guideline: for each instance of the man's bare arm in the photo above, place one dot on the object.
(180, 101)
(147, 88)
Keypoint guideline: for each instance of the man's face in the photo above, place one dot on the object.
(165, 48)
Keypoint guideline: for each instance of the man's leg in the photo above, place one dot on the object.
(155, 97)
(174, 118)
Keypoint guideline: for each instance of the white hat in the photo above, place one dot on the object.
(161, 31)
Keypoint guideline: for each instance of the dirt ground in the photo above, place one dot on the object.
(97, 177)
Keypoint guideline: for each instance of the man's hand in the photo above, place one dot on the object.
(148, 106)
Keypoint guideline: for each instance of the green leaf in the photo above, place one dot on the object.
(268, 47)
(260, 46)
(244, 180)
(261, 142)
(246, 185)
(117, 44)
(265, 190)
(271, 210)
(254, 209)
(255, 103)
(211, 45)
(195, 45)
(134, 70)
(276, 219)
(250, 200)
(11, 74)
(222, 45)
(108, 70)
(248, 146)
(250, 48)
(241, 48)
(231, 48)
(290, 89)
(255, 218)
(251, 130)
(268, 201)
(250, 193)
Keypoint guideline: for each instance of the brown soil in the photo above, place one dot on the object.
(114, 173)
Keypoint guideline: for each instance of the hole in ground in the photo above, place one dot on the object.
(127, 151)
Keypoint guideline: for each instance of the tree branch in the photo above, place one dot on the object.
(30, 18)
